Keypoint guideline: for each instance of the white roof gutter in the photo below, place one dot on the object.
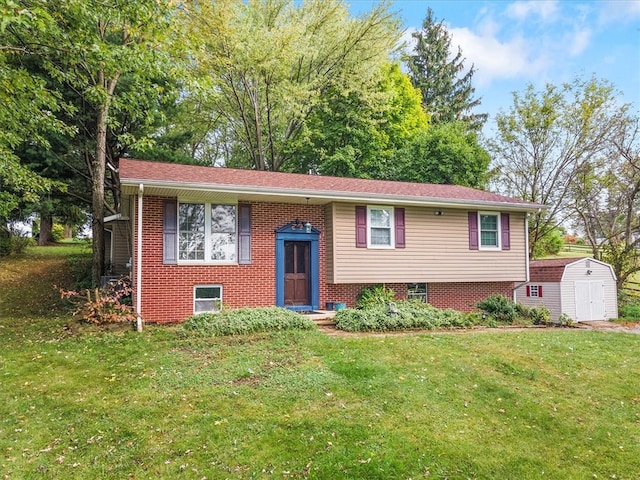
(139, 263)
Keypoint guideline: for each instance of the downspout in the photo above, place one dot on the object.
(139, 263)
(526, 258)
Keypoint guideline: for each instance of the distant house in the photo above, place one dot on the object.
(203, 238)
(584, 289)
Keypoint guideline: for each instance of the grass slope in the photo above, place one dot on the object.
(79, 403)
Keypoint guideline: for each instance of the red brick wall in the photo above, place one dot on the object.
(459, 296)
(348, 292)
(463, 296)
(167, 290)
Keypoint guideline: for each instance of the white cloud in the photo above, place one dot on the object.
(406, 40)
(578, 41)
(616, 11)
(522, 10)
(503, 48)
(495, 59)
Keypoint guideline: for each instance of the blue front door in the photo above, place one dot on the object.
(297, 268)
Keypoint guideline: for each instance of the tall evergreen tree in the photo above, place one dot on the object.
(447, 93)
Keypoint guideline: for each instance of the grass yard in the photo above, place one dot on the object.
(79, 403)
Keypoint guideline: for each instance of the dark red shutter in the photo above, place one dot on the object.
(244, 233)
(540, 290)
(170, 231)
(528, 291)
(473, 230)
(399, 221)
(506, 231)
(361, 226)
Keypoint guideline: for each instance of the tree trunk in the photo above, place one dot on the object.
(98, 166)
(46, 225)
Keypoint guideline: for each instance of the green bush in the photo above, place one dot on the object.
(79, 267)
(630, 310)
(499, 308)
(57, 232)
(245, 321)
(412, 314)
(539, 315)
(12, 243)
(378, 295)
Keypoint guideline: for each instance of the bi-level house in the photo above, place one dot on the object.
(204, 238)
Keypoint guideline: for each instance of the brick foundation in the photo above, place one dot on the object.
(464, 296)
(459, 296)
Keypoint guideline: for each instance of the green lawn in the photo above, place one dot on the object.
(80, 403)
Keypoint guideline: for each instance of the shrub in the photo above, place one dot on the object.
(79, 267)
(244, 321)
(565, 320)
(378, 295)
(412, 314)
(630, 310)
(110, 304)
(13, 242)
(499, 308)
(57, 232)
(539, 315)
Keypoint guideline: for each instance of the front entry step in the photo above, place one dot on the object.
(325, 322)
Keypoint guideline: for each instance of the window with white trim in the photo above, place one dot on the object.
(489, 229)
(534, 291)
(417, 291)
(207, 232)
(380, 225)
(207, 298)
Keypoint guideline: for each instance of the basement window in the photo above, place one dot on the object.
(207, 298)
(417, 291)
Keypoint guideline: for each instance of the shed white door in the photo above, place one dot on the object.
(589, 300)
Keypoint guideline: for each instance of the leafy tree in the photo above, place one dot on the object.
(90, 46)
(356, 133)
(27, 114)
(263, 67)
(447, 153)
(544, 140)
(447, 92)
(549, 244)
(606, 199)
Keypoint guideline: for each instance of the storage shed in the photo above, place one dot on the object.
(584, 289)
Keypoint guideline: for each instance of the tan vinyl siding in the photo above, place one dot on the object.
(551, 298)
(437, 250)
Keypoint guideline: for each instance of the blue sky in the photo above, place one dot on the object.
(515, 43)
